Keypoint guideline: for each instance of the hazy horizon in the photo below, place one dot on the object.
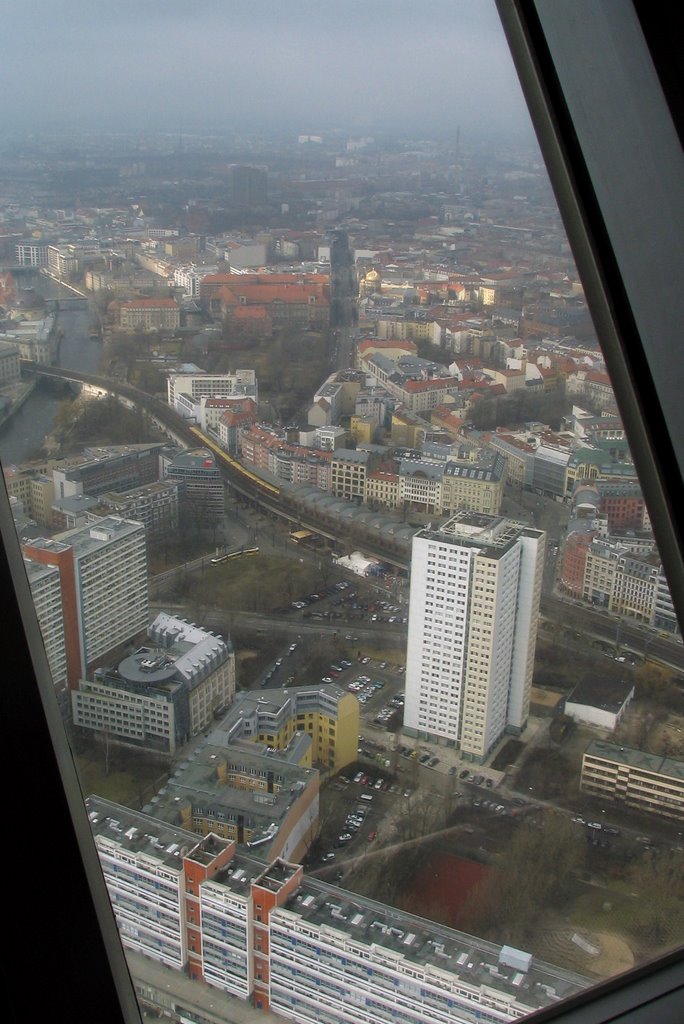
(235, 65)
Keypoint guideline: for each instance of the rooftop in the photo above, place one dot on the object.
(639, 759)
(432, 946)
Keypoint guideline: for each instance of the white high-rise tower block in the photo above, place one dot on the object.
(473, 616)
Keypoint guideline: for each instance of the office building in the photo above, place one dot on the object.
(474, 607)
(155, 505)
(103, 580)
(169, 690)
(150, 315)
(201, 486)
(260, 797)
(110, 467)
(325, 713)
(297, 946)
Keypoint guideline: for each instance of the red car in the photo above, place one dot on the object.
(372, 836)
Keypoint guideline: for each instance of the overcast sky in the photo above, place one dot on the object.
(303, 65)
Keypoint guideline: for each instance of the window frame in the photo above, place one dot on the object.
(65, 908)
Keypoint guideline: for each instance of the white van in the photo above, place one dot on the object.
(366, 796)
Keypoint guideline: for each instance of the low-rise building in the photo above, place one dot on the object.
(599, 701)
(325, 713)
(150, 315)
(256, 796)
(635, 778)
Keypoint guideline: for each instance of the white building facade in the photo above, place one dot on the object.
(473, 615)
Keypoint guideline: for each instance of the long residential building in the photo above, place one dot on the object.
(640, 780)
(473, 616)
(297, 946)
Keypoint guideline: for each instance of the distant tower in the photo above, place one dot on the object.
(457, 159)
(343, 284)
(248, 186)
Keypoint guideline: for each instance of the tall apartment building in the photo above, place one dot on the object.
(103, 580)
(248, 185)
(261, 930)
(44, 581)
(473, 614)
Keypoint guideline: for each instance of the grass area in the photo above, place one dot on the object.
(256, 583)
(132, 778)
(392, 655)
(597, 908)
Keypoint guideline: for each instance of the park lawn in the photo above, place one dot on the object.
(132, 786)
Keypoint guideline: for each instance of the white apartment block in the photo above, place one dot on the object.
(31, 254)
(44, 581)
(108, 582)
(473, 616)
(189, 278)
(197, 386)
(111, 569)
(298, 947)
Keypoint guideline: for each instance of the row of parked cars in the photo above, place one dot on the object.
(336, 670)
(325, 592)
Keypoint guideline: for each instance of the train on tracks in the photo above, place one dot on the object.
(236, 468)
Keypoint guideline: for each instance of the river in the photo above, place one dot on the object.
(25, 432)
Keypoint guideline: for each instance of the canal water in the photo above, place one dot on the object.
(26, 430)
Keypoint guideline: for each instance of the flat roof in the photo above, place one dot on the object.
(431, 945)
(640, 759)
(601, 692)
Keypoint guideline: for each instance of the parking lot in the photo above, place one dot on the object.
(355, 808)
